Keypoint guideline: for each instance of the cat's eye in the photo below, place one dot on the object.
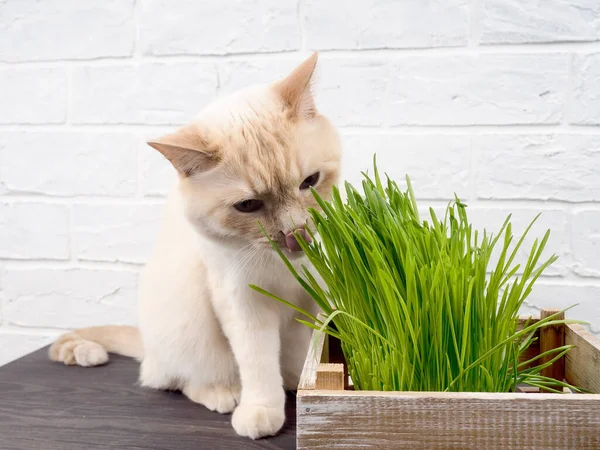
(249, 206)
(310, 181)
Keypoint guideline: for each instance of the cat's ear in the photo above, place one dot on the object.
(187, 150)
(296, 89)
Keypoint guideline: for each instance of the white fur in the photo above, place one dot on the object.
(202, 329)
(186, 300)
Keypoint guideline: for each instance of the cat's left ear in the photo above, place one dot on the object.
(296, 89)
(187, 150)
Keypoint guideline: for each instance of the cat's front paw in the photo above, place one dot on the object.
(216, 398)
(256, 421)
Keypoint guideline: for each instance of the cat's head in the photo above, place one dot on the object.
(252, 157)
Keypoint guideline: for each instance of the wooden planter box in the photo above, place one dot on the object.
(332, 415)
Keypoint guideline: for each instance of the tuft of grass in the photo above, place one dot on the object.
(415, 303)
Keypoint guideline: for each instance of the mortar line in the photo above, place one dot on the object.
(159, 200)
(399, 52)
(47, 264)
(31, 330)
(347, 129)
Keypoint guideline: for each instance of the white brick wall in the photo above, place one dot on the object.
(497, 100)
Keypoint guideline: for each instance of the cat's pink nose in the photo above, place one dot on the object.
(292, 243)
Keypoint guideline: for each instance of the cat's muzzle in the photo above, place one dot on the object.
(291, 239)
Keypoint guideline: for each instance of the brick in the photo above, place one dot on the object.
(586, 90)
(69, 163)
(14, 343)
(34, 230)
(68, 298)
(387, 24)
(516, 22)
(33, 96)
(350, 91)
(555, 220)
(124, 233)
(478, 90)
(353, 91)
(564, 295)
(65, 29)
(586, 242)
(223, 27)
(539, 166)
(148, 94)
(239, 74)
(438, 165)
(157, 175)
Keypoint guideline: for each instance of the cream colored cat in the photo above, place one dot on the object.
(246, 158)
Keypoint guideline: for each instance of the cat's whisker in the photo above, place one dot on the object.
(241, 259)
(250, 251)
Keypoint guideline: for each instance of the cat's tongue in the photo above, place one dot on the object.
(292, 243)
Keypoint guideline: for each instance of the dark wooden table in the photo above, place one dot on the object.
(48, 406)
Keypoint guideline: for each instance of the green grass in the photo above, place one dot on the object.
(416, 303)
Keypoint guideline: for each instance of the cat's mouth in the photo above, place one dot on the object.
(289, 242)
(293, 237)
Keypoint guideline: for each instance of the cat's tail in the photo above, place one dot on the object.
(90, 346)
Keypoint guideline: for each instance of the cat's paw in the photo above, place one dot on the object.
(70, 349)
(256, 421)
(216, 398)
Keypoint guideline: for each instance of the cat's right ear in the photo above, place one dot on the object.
(187, 150)
(296, 89)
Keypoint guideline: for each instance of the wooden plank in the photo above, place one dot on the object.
(526, 319)
(492, 396)
(409, 420)
(330, 377)
(367, 419)
(49, 406)
(524, 388)
(582, 365)
(534, 349)
(308, 377)
(551, 337)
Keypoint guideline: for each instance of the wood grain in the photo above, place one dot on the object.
(534, 349)
(49, 406)
(582, 365)
(436, 420)
(308, 378)
(330, 376)
(421, 420)
(551, 337)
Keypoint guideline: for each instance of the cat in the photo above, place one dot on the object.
(247, 158)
